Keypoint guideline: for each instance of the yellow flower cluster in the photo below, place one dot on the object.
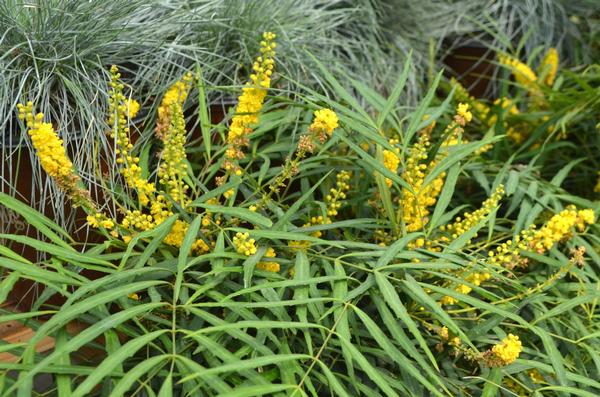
(522, 73)
(325, 120)
(173, 166)
(177, 234)
(558, 228)
(53, 157)
(100, 220)
(119, 108)
(461, 94)
(133, 107)
(137, 221)
(391, 161)
(549, 66)
(337, 193)
(250, 103)
(474, 278)
(176, 94)
(463, 111)
(269, 266)
(244, 244)
(415, 206)
(470, 219)
(49, 147)
(508, 350)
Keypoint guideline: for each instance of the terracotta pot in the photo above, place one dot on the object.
(473, 66)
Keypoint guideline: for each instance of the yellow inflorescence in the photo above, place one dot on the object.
(176, 94)
(244, 244)
(470, 219)
(473, 278)
(49, 147)
(133, 107)
(463, 111)
(325, 120)
(100, 220)
(481, 109)
(336, 194)
(173, 167)
(391, 161)
(269, 266)
(549, 66)
(508, 350)
(250, 103)
(415, 206)
(558, 228)
(118, 109)
(524, 75)
(177, 233)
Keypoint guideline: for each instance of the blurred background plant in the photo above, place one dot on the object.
(550, 115)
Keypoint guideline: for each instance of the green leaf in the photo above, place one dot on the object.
(116, 359)
(393, 300)
(242, 213)
(396, 92)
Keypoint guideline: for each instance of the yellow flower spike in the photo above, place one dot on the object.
(49, 147)
(117, 120)
(175, 95)
(415, 206)
(508, 350)
(333, 202)
(522, 72)
(481, 109)
(250, 103)
(557, 229)
(52, 155)
(549, 66)
(173, 166)
(470, 219)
